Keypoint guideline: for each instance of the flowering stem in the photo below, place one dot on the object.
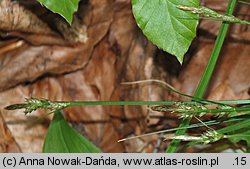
(207, 73)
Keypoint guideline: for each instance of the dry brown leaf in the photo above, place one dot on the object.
(26, 63)
(26, 20)
(15, 17)
(230, 79)
(7, 142)
(28, 134)
(115, 59)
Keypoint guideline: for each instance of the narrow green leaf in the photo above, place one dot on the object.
(244, 2)
(65, 8)
(165, 25)
(238, 131)
(236, 126)
(61, 138)
(240, 137)
(192, 126)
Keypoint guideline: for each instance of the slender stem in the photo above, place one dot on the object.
(244, 2)
(121, 103)
(137, 103)
(33, 104)
(172, 89)
(207, 73)
(134, 103)
(215, 53)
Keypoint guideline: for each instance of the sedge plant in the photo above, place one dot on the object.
(157, 18)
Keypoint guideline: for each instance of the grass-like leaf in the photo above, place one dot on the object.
(197, 125)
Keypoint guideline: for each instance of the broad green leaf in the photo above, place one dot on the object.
(61, 138)
(65, 8)
(165, 25)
